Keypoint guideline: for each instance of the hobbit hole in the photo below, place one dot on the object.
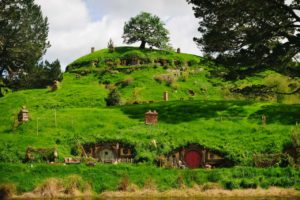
(195, 156)
(110, 152)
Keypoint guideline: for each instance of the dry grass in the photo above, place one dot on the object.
(7, 191)
(204, 192)
(71, 186)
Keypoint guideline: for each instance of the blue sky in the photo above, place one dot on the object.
(77, 25)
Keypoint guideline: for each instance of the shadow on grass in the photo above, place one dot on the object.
(280, 114)
(185, 111)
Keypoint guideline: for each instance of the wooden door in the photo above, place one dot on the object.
(193, 158)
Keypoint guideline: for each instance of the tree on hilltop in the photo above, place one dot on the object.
(254, 34)
(147, 29)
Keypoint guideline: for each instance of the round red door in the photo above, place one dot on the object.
(193, 159)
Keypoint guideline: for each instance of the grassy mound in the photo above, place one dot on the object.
(199, 110)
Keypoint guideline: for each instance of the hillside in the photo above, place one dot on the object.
(195, 113)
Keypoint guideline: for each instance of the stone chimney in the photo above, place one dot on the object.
(166, 96)
(92, 49)
(151, 117)
(178, 50)
(23, 115)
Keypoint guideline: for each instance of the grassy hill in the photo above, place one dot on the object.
(232, 127)
(203, 109)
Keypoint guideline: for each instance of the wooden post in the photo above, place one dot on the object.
(166, 96)
(263, 120)
(55, 120)
(37, 126)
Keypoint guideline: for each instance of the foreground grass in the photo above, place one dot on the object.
(111, 177)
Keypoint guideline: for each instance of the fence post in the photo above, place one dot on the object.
(37, 126)
(263, 120)
(55, 120)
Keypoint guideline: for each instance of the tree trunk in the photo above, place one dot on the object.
(143, 45)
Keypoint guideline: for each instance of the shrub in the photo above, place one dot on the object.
(270, 160)
(3, 90)
(231, 184)
(184, 77)
(114, 98)
(167, 78)
(248, 184)
(175, 86)
(214, 176)
(193, 62)
(125, 82)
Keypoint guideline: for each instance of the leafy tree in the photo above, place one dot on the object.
(254, 34)
(110, 46)
(23, 36)
(146, 28)
(38, 76)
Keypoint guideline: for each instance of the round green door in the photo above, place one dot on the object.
(107, 155)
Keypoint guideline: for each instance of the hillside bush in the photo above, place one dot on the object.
(231, 184)
(295, 141)
(4, 90)
(114, 98)
(125, 82)
(167, 78)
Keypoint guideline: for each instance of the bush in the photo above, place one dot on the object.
(167, 78)
(193, 62)
(125, 82)
(245, 184)
(114, 98)
(231, 184)
(3, 89)
(214, 176)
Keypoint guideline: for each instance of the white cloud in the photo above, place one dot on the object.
(77, 25)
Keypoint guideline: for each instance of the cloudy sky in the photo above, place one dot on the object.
(78, 25)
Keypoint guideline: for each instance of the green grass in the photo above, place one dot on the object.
(231, 127)
(107, 177)
(120, 52)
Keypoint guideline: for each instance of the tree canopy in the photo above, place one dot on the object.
(147, 29)
(254, 34)
(23, 36)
